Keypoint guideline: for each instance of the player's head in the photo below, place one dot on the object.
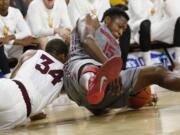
(116, 20)
(49, 4)
(58, 49)
(4, 4)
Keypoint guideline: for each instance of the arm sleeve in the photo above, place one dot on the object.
(139, 8)
(73, 11)
(22, 29)
(65, 16)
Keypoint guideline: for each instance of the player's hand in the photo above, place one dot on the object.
(116, 87)
(92, 21)
(153, 101)
(38, 116)
(64, 33)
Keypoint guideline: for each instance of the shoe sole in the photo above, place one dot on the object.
(111, 70)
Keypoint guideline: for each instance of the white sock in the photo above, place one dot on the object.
(84, 79)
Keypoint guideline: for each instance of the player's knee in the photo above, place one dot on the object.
(159, 73)
(160, 69)
(145, 26)
(153, 75)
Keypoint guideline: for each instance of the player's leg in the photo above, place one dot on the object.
(95, 80)
(157, 75)
(13, 110)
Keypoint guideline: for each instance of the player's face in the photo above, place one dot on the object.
(49, 3)
(4, 4)
(117, 26)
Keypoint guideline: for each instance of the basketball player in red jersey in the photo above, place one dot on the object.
(92, 74)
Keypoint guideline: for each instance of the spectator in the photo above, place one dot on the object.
(14, 34)
(148, 17)
(48, 20)
(79, 8)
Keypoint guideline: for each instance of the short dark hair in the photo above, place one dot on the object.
(115, 12)
(57, 46)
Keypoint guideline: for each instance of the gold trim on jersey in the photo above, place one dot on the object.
(50, 22)
(5, 30)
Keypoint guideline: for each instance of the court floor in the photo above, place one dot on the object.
(164, 119)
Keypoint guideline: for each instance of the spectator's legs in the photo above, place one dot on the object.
(177, 39)
(4, 66)
(145, 37)
(177, 33)
(124, 45)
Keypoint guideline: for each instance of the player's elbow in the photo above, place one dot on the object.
(88, 40)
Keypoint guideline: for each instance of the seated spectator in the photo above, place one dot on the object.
(48, 20)
(149, 22)
(79, 8)
(22, 5)
(14, 34)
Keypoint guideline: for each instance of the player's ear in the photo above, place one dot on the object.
(107, 20)
(62, 57)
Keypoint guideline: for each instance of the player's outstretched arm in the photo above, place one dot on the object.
(86, 28)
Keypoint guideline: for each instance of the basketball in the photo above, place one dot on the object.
(140, 99)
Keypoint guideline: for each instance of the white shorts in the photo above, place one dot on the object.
(12, 105)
